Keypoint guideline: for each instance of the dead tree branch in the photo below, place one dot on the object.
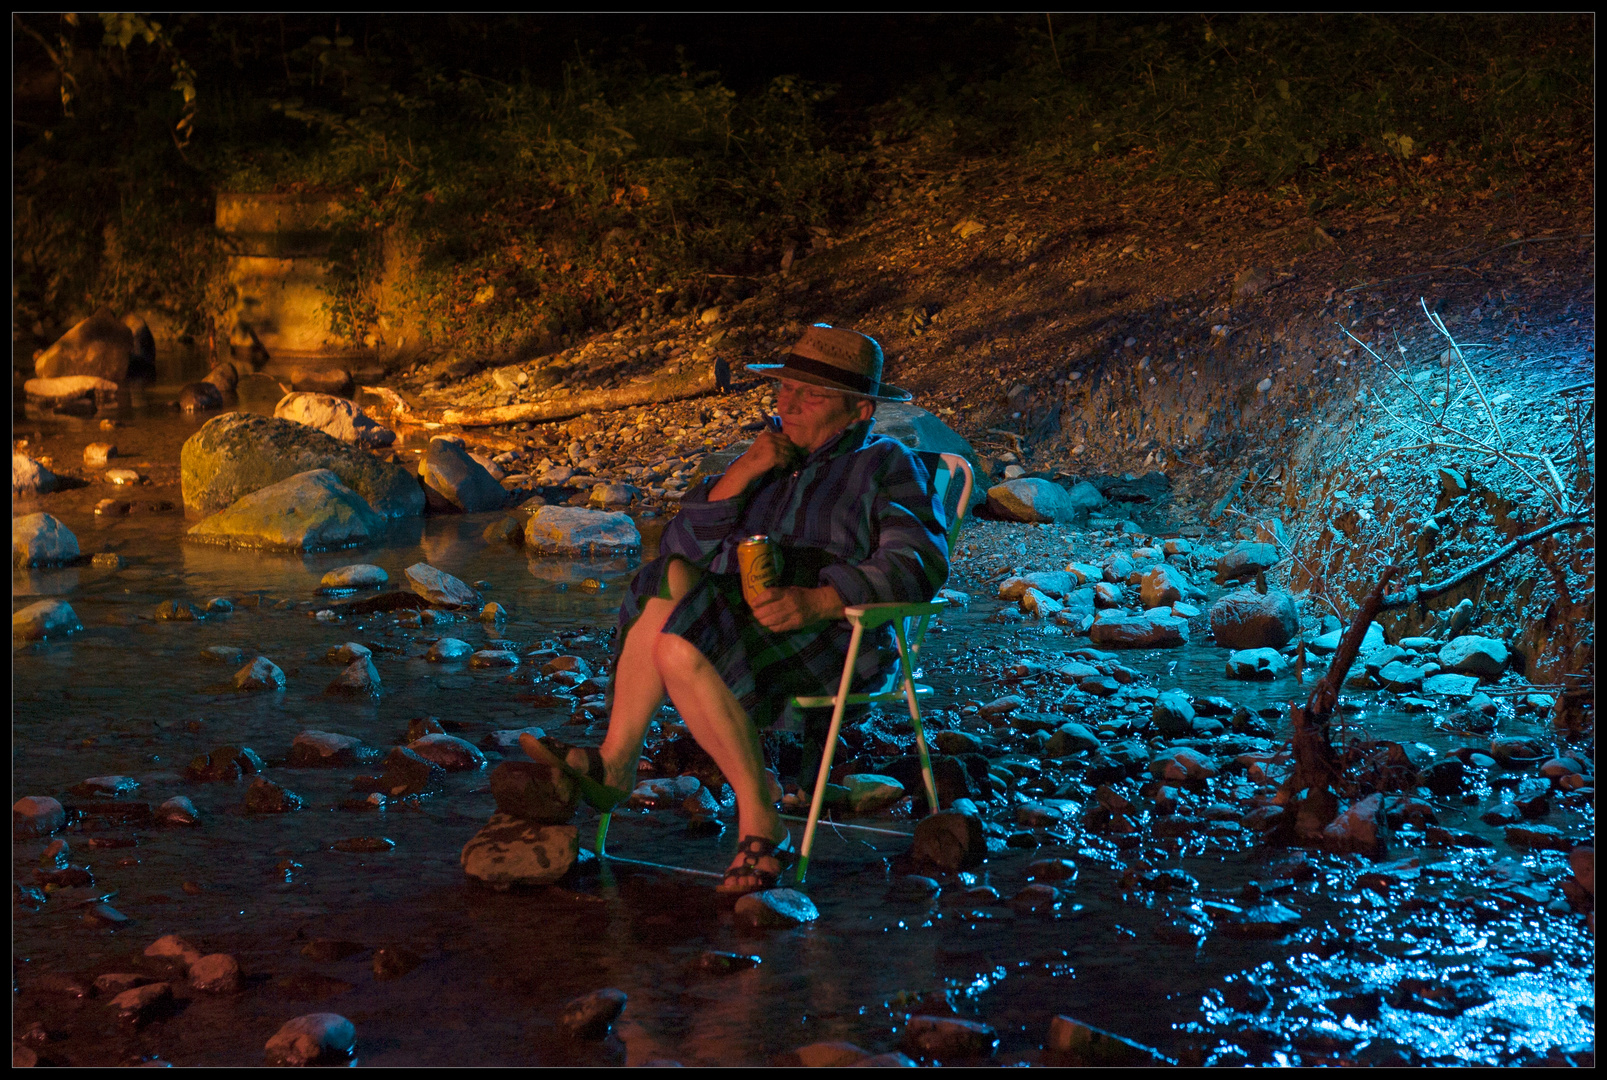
(1417, 593)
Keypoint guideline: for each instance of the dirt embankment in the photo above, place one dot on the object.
(1254, 359)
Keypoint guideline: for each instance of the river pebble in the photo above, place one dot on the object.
(948, 1037)
(591, 1015)
(37, 815)
(266, 797)
(41, 540)
(260, 674)
(143, 1004)
(510, 851)
(173, 947)
(217, 973)
(178, 810)
(356, 576)
(359, 679)
(775, 909)
(447, 649)
(44, 619)
(449, 752)
(439, 587)
(314, 1039)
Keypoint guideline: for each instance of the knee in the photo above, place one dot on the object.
(674, 655)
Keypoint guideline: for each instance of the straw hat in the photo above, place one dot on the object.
(839, 359)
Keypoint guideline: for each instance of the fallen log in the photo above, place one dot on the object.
(677, 387)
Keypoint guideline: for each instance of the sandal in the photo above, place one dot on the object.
(593, 784)
(752, 849)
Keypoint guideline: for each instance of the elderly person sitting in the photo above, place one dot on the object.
(856, 522)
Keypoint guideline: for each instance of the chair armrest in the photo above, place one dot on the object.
(871, 616)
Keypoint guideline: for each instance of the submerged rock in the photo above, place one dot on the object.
(41, 540)
(36, 815)
(236, 454)
(573, 530)
(591, 1015)
(449, 752)
(325, 749)
(44, 619)
(314, 1039)
(439, 587)
(335, 417)
(356, 576)
(310, 511)
(1256, 664)
(510, 851)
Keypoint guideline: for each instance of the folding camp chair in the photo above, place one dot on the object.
(910, 623)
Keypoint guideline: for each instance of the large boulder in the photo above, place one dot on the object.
(238, 453)
(1163, 586)
(41, 540)
(1245, 560)
(142, 361)
(311, 511)
(335, 417)
(1030, 499)
(1140, 632)
(1256, 664)
(512, 851)
(1246, 619)
(572, 530)
(100, 346)
(454, 481)
(920, 430)
(29, 478)
(1475, 655)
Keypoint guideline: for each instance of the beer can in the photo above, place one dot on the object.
(756, 558)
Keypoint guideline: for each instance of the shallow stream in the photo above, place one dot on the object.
(130, 696)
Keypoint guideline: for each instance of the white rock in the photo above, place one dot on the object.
(41, 540)
(29, 478)
(573, 530)
(1471, 654)
(335, 417)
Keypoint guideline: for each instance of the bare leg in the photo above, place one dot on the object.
(717, 721)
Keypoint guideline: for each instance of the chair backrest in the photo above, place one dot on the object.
(946, 468)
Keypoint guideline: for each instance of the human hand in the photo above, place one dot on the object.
(771, 449)
(792, 608)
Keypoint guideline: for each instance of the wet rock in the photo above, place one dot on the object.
(1068, 739)
(1328, 642)
(494, 613)
(868, 792)
(1181, 763)
(309, 511)
(314, 1039)
(105, 917)
(260, 674)
(200, 397)
(236, 454)
(913, 888)
(1444, 777)
(439, 587)
(775, 909)
(494, 658)
(449, 752)
(408, 773)
(99, 346)
(948, 1037)
(1433, 834)
(173, 947)
(454, 481)
(1473, 655)
(1053, 870)
(1173, 714)
(511, 851)
(109, 786)
(266, 797)
(1053, 583)
(1451, 995)
(573, 530)
(1357, 829)
(1246, 619)
(1503, 812)
(1268, 920)
(949, 840)
(44, 619)
(1538, 836)
(1140, 632)
(143, 1004)
(1400, 678)
(591, 1015)
(447, 649)
(217, 973)
(78, 394)
(1036, 604)
(827, 1055)
(1533, 798)
(1163, 586)
(36, 815)
(178, 611)
(1256, 664)
(178, 810)
(1515, 752)
(225, 376)
(1451, 685)
(41, 540)
(335, 417)
(359, 679)
(533, 791)
(364, 845)
(356, 576)
(1090, 1046)
(346, 652)
(222, 765)
(956, 742)
(1582, 861)
(325, 749)
(1245, 560)
(1034, 500)
(29, 478)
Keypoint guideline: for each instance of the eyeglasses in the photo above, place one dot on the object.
(808, 395)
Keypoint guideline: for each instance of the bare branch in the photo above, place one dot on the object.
(1417, 593)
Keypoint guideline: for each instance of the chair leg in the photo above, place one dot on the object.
(843, 686)
(602, 835)
(915, 717)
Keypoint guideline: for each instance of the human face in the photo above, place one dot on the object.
(812, 416)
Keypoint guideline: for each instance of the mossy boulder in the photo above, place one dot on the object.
(310, 511)
(236, 454)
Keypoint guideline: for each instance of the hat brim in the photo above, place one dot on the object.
(886, 391)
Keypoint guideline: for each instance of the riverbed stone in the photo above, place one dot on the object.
(36, 815)
(266, 797)
(99, 346)
(448, 648)
(1030, 499)
(356, 576)
(949, 840)
(312, 749)
(236, 454)
(1088, 1046)
(948, 1037)
(1245, 560)
(512, 851)
(44, 619)
(455, 482)
(310, 511)
(1068, 739)
(1140, 632)
(314, 1039)
(175, 948)
(336, 417)
(143, 1004)
(41, 540)
(1472, 654)
(359, 679)
(494, 658)
(29, 478)
(1449, 684)
(1182, 763)
(591, 1015)
(574, 530)
(1247, 619)
(1162, 586)
(178, 810)
(449, 752)
(1052, 583)
(869, 792)
(534, 791)
(439, 587)
(260, 674)
(1327, 643)
(1357, 828)
(775, 909)
(216, 973)
(1173, 714)
(1256, 664)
